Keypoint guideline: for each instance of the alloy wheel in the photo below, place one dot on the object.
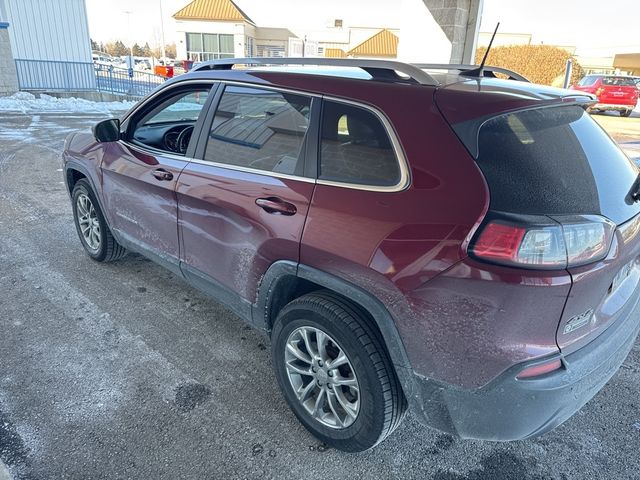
(88, 222)
(322, 377)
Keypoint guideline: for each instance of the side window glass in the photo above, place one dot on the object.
(169, 125)
(355, 147)
(261, 129)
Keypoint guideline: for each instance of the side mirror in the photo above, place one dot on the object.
(107, 130)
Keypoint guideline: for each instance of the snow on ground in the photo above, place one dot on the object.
(24, 102)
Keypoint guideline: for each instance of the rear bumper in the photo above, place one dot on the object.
(510, 409)
(613, 106)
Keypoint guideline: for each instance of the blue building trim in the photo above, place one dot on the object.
(4, 24)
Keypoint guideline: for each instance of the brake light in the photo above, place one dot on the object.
(499, 242)
(528, 242)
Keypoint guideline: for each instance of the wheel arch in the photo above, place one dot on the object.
(72, 174)
(74, 171)
(287, 280)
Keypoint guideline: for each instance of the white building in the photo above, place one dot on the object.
(431, 31)
(50, 43)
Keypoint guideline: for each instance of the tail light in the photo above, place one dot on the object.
(543, 242)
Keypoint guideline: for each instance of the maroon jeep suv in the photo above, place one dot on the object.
(410, 236)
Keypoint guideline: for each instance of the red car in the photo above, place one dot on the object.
(614, 92)
(417, 236)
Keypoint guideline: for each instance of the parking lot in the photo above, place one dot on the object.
(123, 371)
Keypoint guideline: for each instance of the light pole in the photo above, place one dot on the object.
(128, 14)
(164, 54)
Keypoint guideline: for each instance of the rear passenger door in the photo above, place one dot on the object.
(243, 201)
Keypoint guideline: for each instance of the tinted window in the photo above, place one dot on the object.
(588, 81)
(555, 161)
(260, 129)
(619, 81)
(355, 147)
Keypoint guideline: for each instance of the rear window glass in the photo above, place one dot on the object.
(587, 81)
(619, 81)
(555, 161)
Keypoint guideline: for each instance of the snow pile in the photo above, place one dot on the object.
(25, 102)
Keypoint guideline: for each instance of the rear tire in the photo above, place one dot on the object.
(95, 236)
(352, 407)
(625, 113)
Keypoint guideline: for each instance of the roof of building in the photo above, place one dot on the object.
(382, 44)
(627, 61)
(335, 53)
(216, 10)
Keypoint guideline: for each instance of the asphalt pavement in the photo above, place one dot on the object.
(123, 371)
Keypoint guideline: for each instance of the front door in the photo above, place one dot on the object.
(141, 170)
(243, 203)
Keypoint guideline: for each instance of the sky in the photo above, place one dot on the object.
(559, 22)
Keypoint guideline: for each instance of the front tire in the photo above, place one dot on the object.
(95, 236)
(335, 373)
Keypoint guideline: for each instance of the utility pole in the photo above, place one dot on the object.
(128, 14)
(164, 54)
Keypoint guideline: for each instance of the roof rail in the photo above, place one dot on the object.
(378, 69)
(462, 68)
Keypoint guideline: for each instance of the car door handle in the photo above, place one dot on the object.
(276, 206)
(162, 174)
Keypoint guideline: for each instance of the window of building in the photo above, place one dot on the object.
(209, 46)
(355, 147)
(260, 129)
(248, 46)
(270, 51)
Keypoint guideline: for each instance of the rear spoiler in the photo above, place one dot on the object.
(468, 131)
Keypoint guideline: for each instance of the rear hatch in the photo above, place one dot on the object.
(551, 165)
(617, 91)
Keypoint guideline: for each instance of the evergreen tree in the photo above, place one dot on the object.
(137, 50)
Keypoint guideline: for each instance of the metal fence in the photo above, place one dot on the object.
(55, 76)
(125, 81)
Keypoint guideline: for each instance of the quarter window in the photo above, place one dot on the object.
(355, 147)
(259, 129)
